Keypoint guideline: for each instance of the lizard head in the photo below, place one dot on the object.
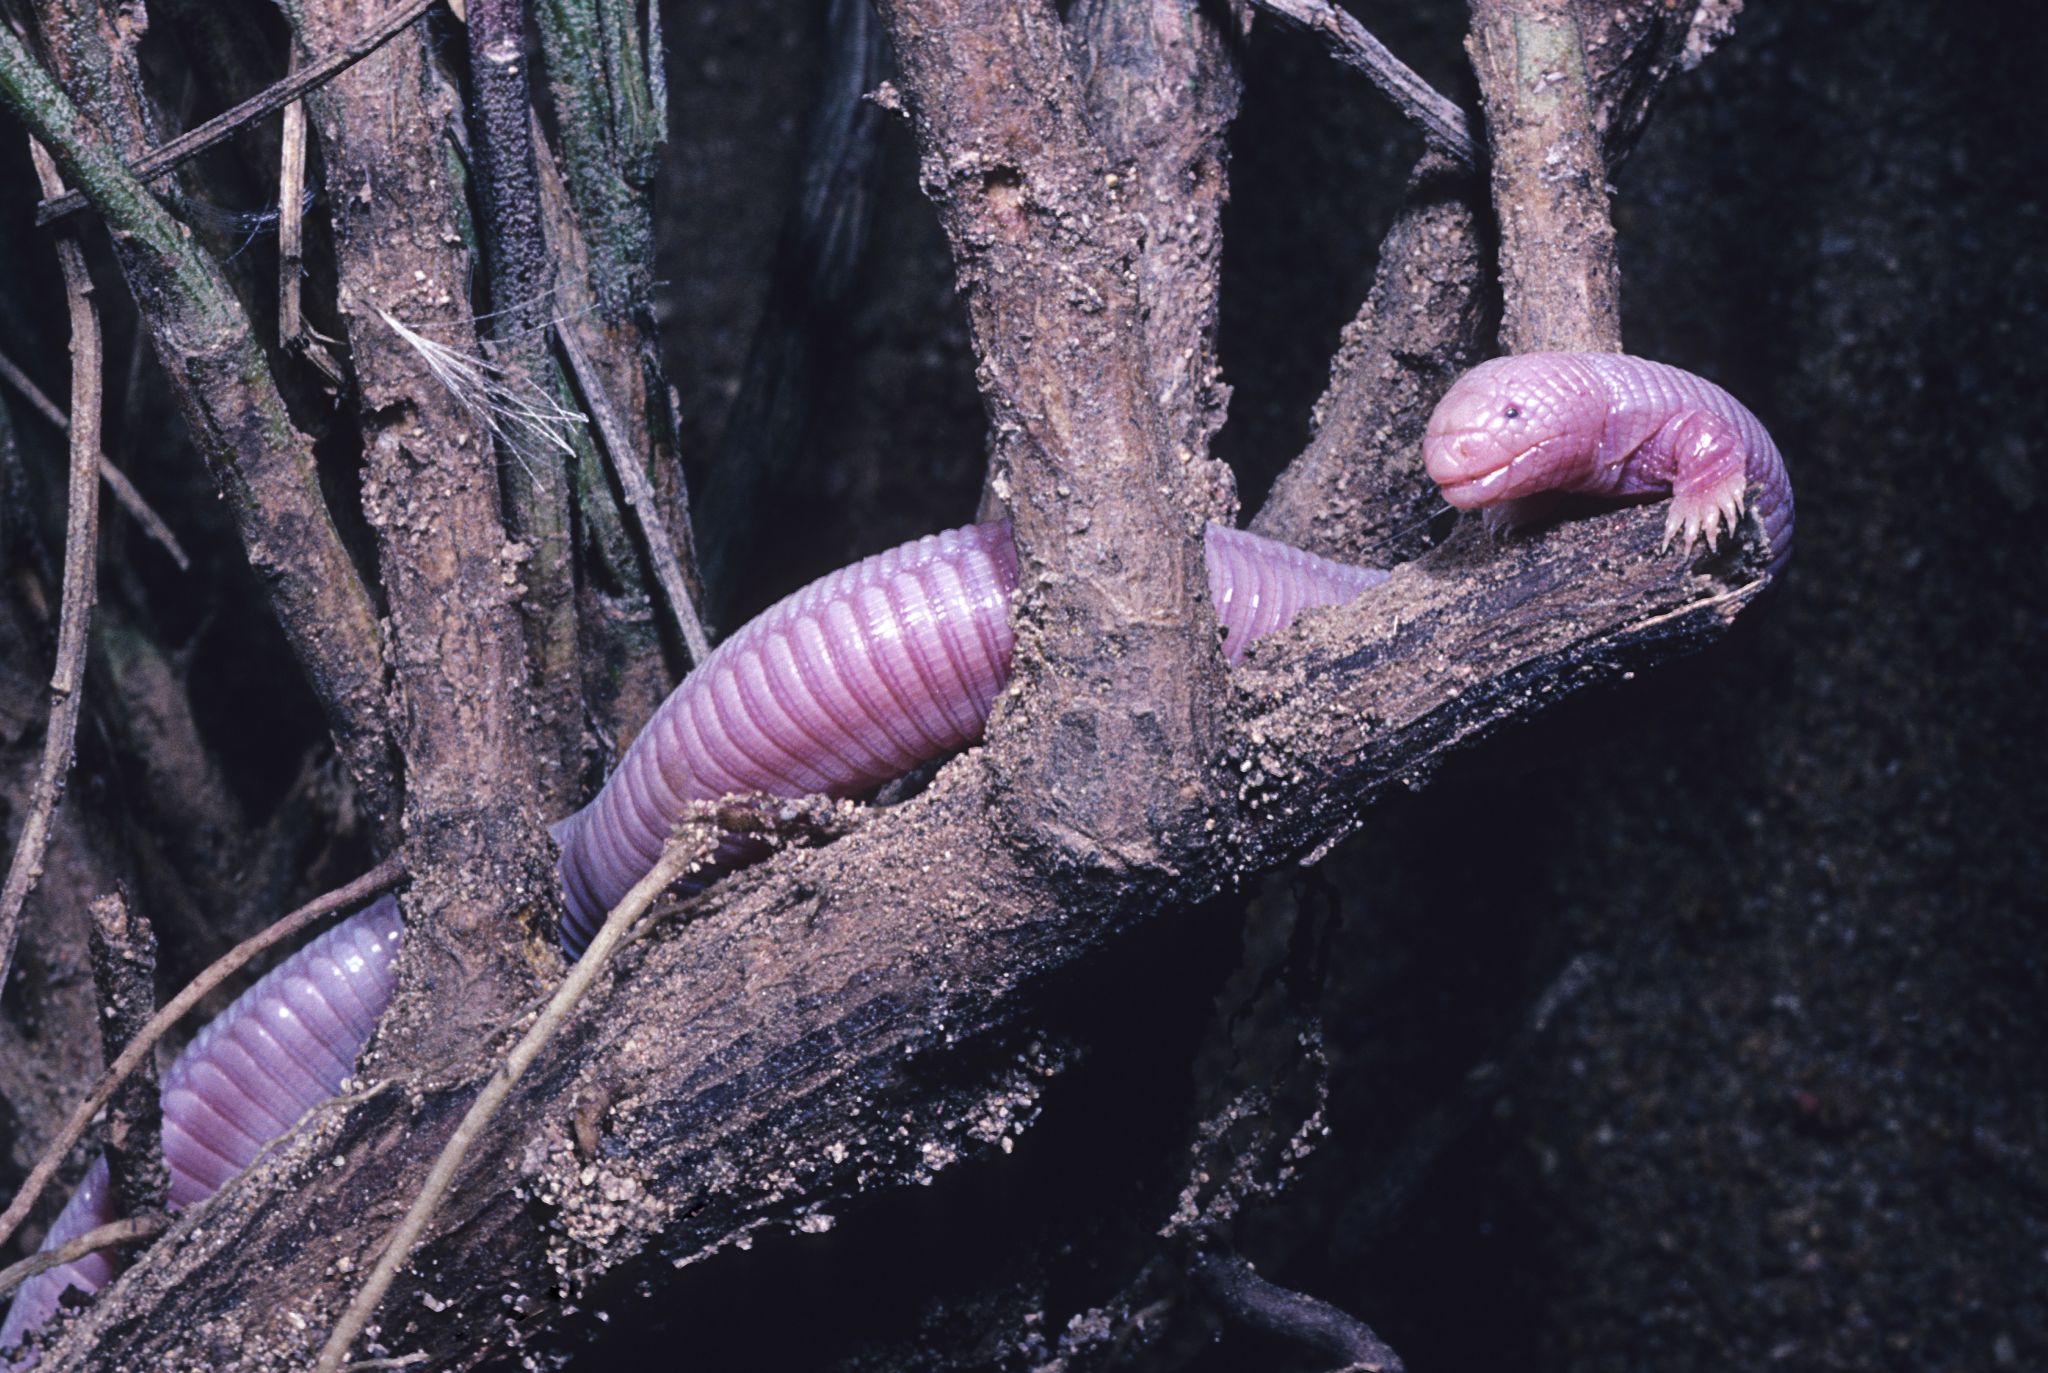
(1515, 426)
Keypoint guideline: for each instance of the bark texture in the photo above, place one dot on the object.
(1549, 178)
(464, 716)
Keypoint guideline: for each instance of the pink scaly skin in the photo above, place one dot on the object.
(1518, 429)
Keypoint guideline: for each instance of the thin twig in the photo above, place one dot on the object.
(385, 874)
(1442, 124)
(33, 393)
(123, 949)
(676, 858)
(263, 464)
(81, 567)
(668, 568)
(1236, 1287)
(114, 1232)
(193, 142)
(117, 481)
(291, 218)
(139, 509)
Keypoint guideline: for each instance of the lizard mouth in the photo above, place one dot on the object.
(1498, 479)
(1469, 491)
(1467, 478)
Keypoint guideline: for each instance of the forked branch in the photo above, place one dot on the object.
(800, 1019)
(1443, 125)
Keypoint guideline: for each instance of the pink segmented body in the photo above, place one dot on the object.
(279, 1050)
(857, 678)
(91, 1206)
(1259, 585)
(863, 675)
(1607, 424)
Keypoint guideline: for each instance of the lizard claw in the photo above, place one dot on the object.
(1711, 485)
(1499, 521)
(1704, 514)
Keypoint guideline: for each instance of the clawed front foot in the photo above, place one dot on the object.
(1501, 520)
(1710, 485)
(1705, 513)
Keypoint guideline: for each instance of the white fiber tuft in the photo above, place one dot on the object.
(518, 412)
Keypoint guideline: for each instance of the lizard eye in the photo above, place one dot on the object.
(1513, 412)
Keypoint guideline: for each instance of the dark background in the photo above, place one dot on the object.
(1797, 1117)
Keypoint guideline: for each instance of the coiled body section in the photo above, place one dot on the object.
(857, 678)
(862, 676)
(280, 1049)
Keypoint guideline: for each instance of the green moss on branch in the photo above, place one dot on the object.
(263, 464)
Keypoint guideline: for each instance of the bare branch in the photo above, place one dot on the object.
(123, 951)
(1162, 86)
(521, 278)
(477, 777)
(801, 1021)
(1358, 491)
(1560, 284)
(1442, 124)
(81, 570)
(797, 1020)
(291, 221)
(385, 874)
(264, 465)
(1107, 520)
